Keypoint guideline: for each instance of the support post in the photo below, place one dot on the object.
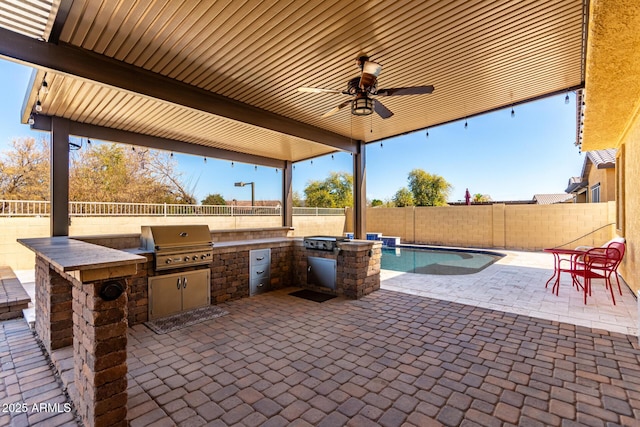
(287, 194)
(359, 192)
(59, 193)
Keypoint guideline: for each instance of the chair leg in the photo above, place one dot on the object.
(618, 280)
(612, 297)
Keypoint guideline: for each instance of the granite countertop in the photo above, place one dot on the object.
(74, 255)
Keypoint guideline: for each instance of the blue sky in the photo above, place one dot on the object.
(508, 158)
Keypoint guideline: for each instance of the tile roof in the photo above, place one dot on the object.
(550, 199)
(603, 159)
(575, 183)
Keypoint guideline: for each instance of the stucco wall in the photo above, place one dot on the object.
(630, 267)
(607, 180)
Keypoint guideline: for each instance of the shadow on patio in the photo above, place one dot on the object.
(391, 358)
(388, 359)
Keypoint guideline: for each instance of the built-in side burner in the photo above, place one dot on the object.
(323, 243)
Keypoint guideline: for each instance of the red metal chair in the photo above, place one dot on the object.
(598, 263)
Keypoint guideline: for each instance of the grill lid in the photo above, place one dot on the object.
(171, 237)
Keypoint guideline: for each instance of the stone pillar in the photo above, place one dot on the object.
(100, 355)
(358, 269)
(54, 324)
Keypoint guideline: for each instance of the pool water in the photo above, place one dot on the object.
(436, 261)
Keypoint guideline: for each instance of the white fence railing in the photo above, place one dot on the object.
(14, 208)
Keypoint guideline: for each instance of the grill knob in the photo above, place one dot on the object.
(186, 258)
(168, 261)
(203, 257)
(194, 258)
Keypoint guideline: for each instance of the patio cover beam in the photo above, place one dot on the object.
(43, 123)
(360, 192)
(87, 65)
(59, 176)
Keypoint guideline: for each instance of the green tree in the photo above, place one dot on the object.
(213, 199)
(297, 199)
(376, 202)
(480, 198)
(24, 170)
(111, 173)
(428, 189)
(403, 197)
(336, 191)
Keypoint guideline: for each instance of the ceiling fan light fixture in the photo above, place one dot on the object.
(362, 106)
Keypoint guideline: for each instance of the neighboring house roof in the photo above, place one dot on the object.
(601, 159)
(245, 203)
(575, 184)
(550, 199)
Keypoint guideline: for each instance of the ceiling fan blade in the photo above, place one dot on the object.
(382, 111)
(317, 90)
(370, 72)
(413, 90)
(336, 109)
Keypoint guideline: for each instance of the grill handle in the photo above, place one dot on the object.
(184, 283)
(178, 283)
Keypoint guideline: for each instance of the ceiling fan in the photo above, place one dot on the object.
(362, 88)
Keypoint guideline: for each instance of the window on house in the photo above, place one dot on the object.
(595, 193)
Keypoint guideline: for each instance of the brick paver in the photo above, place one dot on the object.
(30, 394)
(390, 359)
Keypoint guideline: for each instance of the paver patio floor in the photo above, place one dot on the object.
(391, 359)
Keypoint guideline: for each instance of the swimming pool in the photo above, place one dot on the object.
(436, 261)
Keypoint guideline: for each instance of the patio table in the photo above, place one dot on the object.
(560, 255)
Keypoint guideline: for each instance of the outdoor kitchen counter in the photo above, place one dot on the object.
(67, 254)
(350, 245)
(268, 241)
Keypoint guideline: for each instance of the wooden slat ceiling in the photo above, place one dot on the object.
(479, 55)
(33, 18)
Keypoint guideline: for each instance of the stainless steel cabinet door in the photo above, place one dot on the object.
(165, 295)
(196, 289)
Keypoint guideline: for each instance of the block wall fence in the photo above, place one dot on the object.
(517, 227)
(18, 257)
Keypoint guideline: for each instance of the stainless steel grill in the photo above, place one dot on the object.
(323, 243)
(176, 246)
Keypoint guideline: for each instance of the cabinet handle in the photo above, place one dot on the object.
(178, 284)
(260, 285)
(260, 272)
(309, 268)
(184, 283)
(259, 258)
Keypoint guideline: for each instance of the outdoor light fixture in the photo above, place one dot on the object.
(513, 113)
(466, 125)
(362, 106)
(253, 190)
(38, 106)
(566, 99)
(231, 164)
(31, 120)
(427, 133)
